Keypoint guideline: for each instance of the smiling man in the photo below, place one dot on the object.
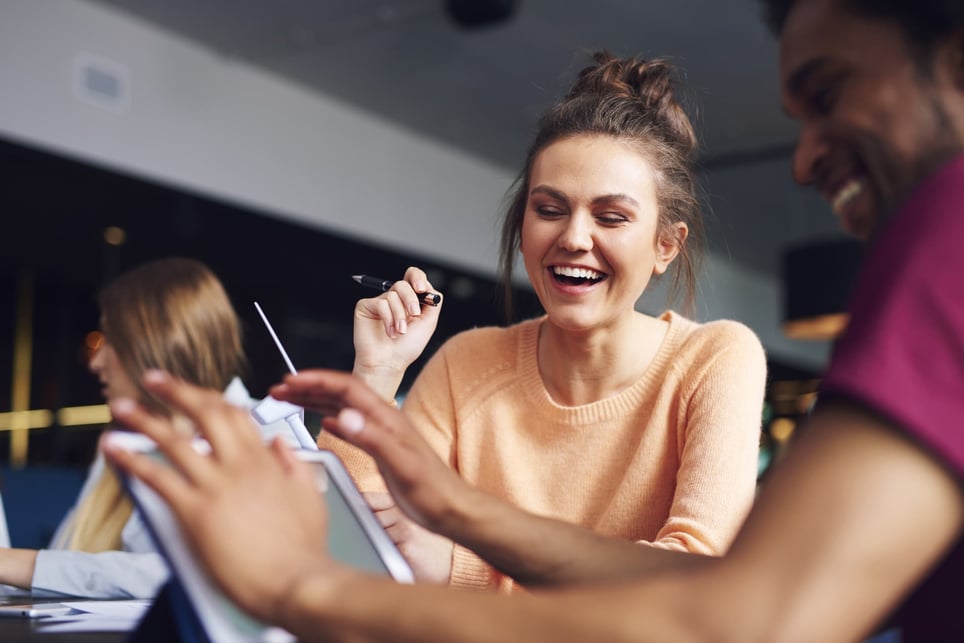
(864, 514)
(878, 89)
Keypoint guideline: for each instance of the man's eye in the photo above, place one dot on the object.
(822, 100)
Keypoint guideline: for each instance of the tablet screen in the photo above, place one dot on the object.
(346, 540)
(355, 537)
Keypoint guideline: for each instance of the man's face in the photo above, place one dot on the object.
(873, 121)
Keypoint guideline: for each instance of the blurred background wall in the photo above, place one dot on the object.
(291, 144)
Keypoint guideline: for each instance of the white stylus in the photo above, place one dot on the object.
(277, 342)
(271, 410)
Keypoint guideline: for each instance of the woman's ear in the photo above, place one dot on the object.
(669, 242)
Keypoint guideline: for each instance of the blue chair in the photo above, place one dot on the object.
(36, 499)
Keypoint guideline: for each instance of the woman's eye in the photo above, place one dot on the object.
(547, 212)
(611, 219)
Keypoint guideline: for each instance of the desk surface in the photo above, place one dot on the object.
(24, 630)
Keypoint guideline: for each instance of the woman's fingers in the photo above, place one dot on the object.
(395, 307)
(379, 500)
(418, 279)
(380, 308)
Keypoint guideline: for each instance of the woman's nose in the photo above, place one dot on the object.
(96, 361)
(576, 236)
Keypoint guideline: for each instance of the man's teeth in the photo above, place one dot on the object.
(577, 273)
(846, 194)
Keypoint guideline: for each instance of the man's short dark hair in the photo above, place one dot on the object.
(924, 22)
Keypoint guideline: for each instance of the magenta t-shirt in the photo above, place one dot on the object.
(902, 355)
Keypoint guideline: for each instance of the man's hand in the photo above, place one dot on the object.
(424, 487)
(252, 514)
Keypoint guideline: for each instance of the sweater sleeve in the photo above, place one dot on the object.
(136, 572)
(444, 388)
(359, 464)
(721, 414)
(428, 405)
(105, 575)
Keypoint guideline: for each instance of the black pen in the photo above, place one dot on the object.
(430, 298)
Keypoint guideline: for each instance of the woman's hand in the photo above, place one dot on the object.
(17, 566)
(391, 331)
(428, 554)
(242, 498)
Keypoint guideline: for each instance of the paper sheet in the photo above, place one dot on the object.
(96, 616)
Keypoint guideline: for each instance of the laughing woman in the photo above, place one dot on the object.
(637, 426)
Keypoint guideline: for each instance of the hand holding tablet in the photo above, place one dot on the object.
(250, 514)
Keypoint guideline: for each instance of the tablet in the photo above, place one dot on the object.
(355, 537)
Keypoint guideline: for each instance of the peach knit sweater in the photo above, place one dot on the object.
(671, 460)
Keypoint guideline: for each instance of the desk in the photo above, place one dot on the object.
(24, 630)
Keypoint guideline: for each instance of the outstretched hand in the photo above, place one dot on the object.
(392, 330)
(424, 487)
(242, 498)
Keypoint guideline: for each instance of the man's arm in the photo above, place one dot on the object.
(849, 522)
(853, 517)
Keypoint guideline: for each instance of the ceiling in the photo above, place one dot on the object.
(478, 90)
(481, 89)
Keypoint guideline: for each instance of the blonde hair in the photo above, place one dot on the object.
(171, 314)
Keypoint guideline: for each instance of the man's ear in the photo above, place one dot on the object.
(669, 242)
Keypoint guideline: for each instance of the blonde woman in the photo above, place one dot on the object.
(172, 314)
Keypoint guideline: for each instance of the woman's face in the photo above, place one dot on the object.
(588, 238)
(114, 379)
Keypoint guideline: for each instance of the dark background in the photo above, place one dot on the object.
(54, 212)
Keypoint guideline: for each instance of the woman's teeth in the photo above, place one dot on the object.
(576, 273)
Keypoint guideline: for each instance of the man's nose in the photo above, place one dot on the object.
(810, 151)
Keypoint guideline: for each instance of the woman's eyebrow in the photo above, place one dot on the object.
(617, 197)
(552, 192)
